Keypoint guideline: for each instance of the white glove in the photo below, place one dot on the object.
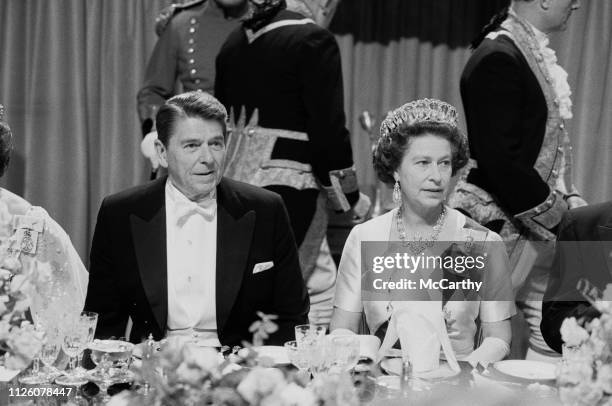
(362, 207)
(147, 147)
(491, 350)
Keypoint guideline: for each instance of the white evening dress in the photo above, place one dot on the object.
(461, 316)
(41, 245)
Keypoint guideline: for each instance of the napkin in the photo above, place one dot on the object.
(368, 344)
(421, 330)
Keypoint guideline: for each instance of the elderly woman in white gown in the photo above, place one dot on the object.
(28, 234)
(419, 150)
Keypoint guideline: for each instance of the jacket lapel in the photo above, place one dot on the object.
(234, 232)
(149, 238)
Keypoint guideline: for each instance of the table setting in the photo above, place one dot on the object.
(315, 368)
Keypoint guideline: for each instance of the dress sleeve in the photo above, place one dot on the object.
(348, 285)
(497, 297)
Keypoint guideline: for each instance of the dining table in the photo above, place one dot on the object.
(374, 386)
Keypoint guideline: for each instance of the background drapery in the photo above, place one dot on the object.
(70, 70)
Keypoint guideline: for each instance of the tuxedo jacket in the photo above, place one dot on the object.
(506, 114)
(584, 250)
(128, 264)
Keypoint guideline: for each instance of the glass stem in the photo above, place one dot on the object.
(35, 366)
(79, 360)
(72, 365)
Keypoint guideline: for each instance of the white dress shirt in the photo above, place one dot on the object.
(191, 243)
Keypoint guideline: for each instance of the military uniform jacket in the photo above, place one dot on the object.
(517, 138)
(292, 75)
(190, 38)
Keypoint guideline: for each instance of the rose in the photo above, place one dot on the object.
(188, 374)
(293, 394)
(11, 264)
(573, 334)
(226, 397)
(583, 394)
(259, 383)
(206, 359)
(604, 378)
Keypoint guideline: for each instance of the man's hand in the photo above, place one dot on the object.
(147, 147)
(576, 201)
(362, 207)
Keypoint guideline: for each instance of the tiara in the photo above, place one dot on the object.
(1, 112)
(419, 111)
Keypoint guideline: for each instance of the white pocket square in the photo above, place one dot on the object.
(262, 266)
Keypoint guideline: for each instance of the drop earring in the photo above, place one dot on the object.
(397, 193)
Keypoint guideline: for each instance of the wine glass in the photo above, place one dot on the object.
(74, 342)
(320, 355)
(299, 357)
(49, 349)
(345, 350)
(48, 354)
(308, 333)
(112, 359)
(89, 320)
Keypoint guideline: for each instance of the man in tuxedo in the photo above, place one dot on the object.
(584, 251)
(194, 253)
(519, 181)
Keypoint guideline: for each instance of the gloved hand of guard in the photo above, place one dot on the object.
(147, 147)
(362, 207)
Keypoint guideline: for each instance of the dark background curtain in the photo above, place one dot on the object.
(70, 70)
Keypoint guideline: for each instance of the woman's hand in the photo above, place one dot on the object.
(495, 346)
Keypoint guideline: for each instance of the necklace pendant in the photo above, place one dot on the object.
(389, 308)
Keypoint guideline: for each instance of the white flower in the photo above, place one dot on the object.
(259, 383)
(204, 357)
(22, 305)
(573, 334)
(192, 376)
(11, 264)
(19, 283)
(120, 399)
(295, 395)
(604, 378)
(583, 394)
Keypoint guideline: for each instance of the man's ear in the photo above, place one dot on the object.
(161, 153)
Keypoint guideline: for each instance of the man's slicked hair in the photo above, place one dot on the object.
(195, 104)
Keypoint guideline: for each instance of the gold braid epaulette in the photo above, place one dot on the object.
(164, 16)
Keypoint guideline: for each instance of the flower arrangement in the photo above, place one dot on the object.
(18, 339)
(585, 375)
(183, 374)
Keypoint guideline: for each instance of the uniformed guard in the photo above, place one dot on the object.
(280, 74)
